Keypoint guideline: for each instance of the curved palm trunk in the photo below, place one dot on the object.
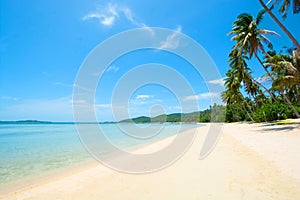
(282, 93)
(292, 38)
(266, 89)
(298, 97)
(249, 109)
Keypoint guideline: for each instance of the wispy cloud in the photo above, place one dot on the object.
(43, 109)
(205, 95)
(109, 14)
(143, 96)
(113, 68)
(172, 41)
(106, 16)
(217, 81)
(264, 79)
(62, 84)
(9, 98)
(143, 99)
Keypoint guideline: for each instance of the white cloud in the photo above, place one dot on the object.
(106, 16)
(62, 84)
(143, 96)
(109, 14)
(205, 95)
(113, 68)
(127, 12)
(217, 82)
(264, 79)
(172, 41)
(103, 105)
(144, 99)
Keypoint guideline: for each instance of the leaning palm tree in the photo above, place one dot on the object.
(233, 83)
(286, 73)
(237, 57)
(283, 9)
(250, 39)
(248, 36)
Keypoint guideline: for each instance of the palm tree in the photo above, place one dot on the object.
(238, 62)
(250, 38)
(235, 77)
(287, 74)
(285, 7)
(232, 85)
(284, 10)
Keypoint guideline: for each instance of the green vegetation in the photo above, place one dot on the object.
(213, 114)
(26, 122)
(275, 95)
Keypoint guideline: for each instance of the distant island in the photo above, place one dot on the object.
(215, 113)
(175, 117)
(27, 122)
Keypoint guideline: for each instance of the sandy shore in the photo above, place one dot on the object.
(250, 161)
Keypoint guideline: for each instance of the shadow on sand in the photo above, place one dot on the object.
(280, 127)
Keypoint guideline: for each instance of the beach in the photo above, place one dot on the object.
(250, 161)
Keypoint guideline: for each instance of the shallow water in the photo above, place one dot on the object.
(31, 149)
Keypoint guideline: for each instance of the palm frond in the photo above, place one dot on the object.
(260, 16)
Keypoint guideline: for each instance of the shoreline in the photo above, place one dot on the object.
(246, 162)
(64, 172)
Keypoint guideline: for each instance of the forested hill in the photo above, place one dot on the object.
(200, 116)
(175, 117)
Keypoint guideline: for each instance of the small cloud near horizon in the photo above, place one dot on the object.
(219, 81)
(205, 95)
(143, 96)
(112, 68)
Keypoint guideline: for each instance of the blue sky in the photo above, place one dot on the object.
(44, 43)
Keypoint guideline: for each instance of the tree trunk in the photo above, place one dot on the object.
(284, 96)
(297, 96)
(291, 105)
(292, 38)
(268, 91)
(296, 58)
(249, 109)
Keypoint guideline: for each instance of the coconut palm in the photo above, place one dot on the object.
(287, 74)
(284, 10)
(232, 85)
(233, 82)
(285, 7)
(250, 39)
(248, 36)
(238, 62)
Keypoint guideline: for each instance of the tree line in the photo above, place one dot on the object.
(275, 95)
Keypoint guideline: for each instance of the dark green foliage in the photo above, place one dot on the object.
(216, 113)
(273, 111)
(249, 98)
(205, 116)
(141, 119)
(268, 111)
(235, 113)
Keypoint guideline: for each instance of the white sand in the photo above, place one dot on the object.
(250, 161)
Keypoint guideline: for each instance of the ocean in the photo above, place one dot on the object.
(35, 149)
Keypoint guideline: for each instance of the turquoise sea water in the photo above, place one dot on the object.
(27, 150)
